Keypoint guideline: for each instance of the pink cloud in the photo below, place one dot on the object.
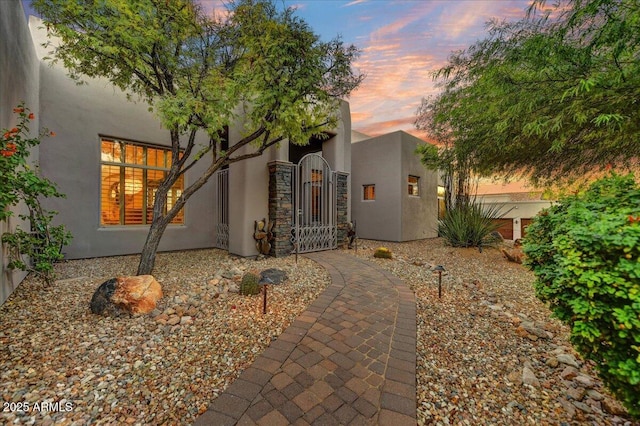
(399, 58)
(355, 2)
(215, 8)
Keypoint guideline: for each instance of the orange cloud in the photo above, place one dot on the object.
(382, 127)
(360, 116)
(399, 59)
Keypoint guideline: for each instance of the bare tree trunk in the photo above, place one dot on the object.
(161, 219)
(148, 255)
(157, 228)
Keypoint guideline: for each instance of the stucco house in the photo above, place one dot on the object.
(110, 153)
(394, 195)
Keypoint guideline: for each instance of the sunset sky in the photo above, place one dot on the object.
(402, 43)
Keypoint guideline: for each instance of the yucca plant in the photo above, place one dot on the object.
(470, 224)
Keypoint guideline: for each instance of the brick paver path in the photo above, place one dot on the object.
(349, 359)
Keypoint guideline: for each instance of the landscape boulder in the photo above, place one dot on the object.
(135, 295)
(273, 276)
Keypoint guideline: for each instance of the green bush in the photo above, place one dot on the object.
(470, 224)
(249, 285)
(383, 253)
(37, 248)
(585, 253)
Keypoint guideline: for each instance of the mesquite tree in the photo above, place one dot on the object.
(550, 97)
(198, 71)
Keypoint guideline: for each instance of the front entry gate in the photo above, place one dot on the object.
(314, 206)
(221, 180)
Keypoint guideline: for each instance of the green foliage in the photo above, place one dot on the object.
(454, 165)
(470, 224)
(37, 249)
(198, 72)
(249, 284)
(383, 253)
(585, 253)
(552, 96)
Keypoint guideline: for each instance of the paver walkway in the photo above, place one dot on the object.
(349, 359)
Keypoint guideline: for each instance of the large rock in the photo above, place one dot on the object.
(568, 359)
(135, 295)
(273, 276)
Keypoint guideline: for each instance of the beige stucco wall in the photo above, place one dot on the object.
(515, 210)
(386, 161)
(80, 115)
(249, 180)
(376, 161)
(522, 209)
(18, 83)
(248, 193)
(419, 214)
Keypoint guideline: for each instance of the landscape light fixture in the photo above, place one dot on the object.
(264, 282)
(439, 269)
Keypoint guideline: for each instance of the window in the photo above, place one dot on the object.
(130, 175)
(414, 187)
(441, 204)
(368, 192)
(316, 195)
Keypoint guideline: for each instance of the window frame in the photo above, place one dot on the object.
(415, 186)
(124, 167)
(364, 192)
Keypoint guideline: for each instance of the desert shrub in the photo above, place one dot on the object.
(249, 284)
(38, 247)
(470, 224)
(585, 253)
(383, 253)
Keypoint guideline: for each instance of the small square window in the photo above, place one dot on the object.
(414, 186)
(368, 192)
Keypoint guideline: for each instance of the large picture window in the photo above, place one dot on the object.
(130, 175)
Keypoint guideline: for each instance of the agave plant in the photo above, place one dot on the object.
(471, 224)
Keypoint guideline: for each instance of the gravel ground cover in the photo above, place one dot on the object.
(67, 366)
(488, 350)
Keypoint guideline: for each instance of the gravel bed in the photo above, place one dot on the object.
(488, 350)
(68, 366)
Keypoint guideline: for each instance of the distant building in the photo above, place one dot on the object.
(519, 208)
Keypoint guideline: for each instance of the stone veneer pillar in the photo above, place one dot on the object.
(280, 206)
(342, 205)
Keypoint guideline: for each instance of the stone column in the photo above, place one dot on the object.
(342, 205)
(280, 206)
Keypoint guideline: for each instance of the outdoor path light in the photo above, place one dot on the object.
(439, 269)
(264, 282)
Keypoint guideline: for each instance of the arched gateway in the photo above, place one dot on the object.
(314, 205)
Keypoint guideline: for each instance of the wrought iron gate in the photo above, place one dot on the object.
(222, 209)
(314, 222)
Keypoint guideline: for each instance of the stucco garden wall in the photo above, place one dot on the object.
(18, 83)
